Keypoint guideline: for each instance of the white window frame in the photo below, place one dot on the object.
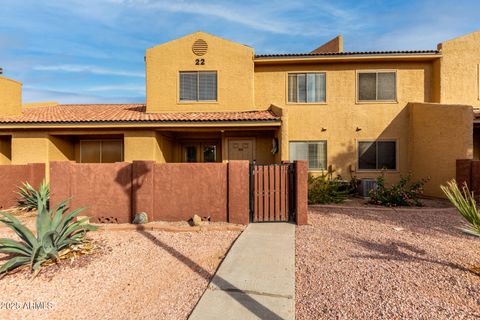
(397, 163)
(305, 72)
(311, 142)
(198, 87)
(357, 95)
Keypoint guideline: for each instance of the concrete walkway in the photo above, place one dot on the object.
(257, 278)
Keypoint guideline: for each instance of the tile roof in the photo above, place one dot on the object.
(105, 113)
(347, 53)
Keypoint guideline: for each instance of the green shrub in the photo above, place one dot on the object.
(464, 202)
(56, 230)
(29, 197)
(324, 188)
(405, 193)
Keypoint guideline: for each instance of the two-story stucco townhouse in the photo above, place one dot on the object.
(213, 100)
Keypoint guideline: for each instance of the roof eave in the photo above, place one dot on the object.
(346, 58)
(137, 124)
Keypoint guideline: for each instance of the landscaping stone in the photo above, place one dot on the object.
(196, 220)
(140, 218)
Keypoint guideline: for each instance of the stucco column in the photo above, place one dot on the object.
(238, 192)
(140, 145)
(301, 170)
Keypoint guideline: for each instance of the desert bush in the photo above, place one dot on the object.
(325, 188)
(464, 202)
(404, 193)
(29, 197)
(56, 230)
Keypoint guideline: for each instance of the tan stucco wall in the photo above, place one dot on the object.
(30, 147)
(341, 115)
(438, 135)
(459, 70)
(140, 145)
(232, 61)
(10, 97)
(61, 148)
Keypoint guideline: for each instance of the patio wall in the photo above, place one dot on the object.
(13, 176)
(113, 193)
(468, 171)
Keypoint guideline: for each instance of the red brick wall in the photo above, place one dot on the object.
(12, 176)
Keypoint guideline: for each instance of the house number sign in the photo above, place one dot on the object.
(199, 62)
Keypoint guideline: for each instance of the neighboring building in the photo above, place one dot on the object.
(213, 100)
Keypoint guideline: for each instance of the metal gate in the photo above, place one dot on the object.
(272, 192)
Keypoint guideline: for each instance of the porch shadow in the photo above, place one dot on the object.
(399, 251)
(422, 220)
(252, 305)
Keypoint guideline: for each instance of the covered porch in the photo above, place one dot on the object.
(218, 145)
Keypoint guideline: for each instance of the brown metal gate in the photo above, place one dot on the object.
(272, 192)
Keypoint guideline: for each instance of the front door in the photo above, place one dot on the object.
(241, 149)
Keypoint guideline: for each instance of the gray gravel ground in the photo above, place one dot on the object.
(137, 275)
(360, 263)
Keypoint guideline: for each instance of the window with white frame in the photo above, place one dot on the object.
(306, 87)
(377, 86)
(198, 86)
(377, 155)
(315, 152)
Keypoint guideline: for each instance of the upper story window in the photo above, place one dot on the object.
(377, 86)
(306, 87)
(198, 86)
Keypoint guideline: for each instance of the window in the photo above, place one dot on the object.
(200, 152)
(377, 86)
(198, 86)
(101, 151)
(306, 87)
(377, 155)
(315, 152)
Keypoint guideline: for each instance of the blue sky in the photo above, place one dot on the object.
(84, 51)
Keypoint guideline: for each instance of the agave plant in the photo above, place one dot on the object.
(29, 197)
(56, 230)
(464, 202)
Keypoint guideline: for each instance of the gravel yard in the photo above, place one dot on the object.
(135, 275)
(360, 263)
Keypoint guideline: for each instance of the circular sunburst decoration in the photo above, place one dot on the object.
(199, 47)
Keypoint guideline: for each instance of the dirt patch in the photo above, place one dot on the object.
(387, 264)
(136, 274)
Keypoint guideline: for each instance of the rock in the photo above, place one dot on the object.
(140, 218)
(196, 220)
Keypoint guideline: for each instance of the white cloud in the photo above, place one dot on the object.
(31, 94)
(88, 69)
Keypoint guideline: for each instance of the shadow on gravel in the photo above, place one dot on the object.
(429, 221)
(241, 297)
(399, 251)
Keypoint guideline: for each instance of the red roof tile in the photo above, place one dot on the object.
(81, 113)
